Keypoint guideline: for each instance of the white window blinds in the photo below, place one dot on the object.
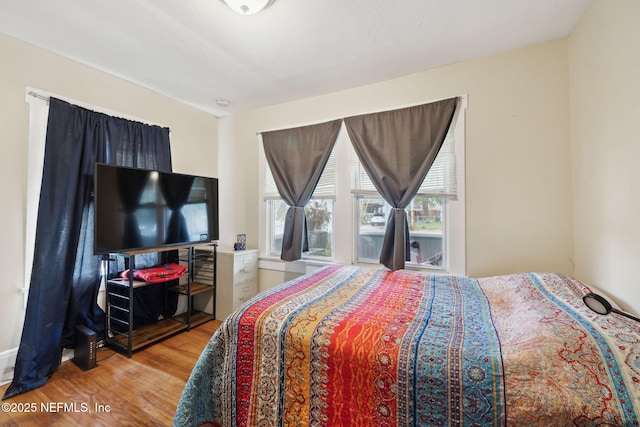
(440, 180)
(326, 187)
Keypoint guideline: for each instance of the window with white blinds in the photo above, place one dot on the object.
(326, 187)
(440, 181)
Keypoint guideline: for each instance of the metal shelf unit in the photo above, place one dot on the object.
(200, 279)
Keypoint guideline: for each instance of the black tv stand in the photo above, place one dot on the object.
(199, 279)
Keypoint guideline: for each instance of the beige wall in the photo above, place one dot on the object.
(605, 113)
(518, 179)
(193, 139)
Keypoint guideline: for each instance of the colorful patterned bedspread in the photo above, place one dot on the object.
(346, 346)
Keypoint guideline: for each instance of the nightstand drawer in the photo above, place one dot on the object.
(243, 292)
(245, 267)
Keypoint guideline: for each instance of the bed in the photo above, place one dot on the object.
(350, 346)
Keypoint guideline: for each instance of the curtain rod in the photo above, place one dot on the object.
(37, 95)
(34, 93)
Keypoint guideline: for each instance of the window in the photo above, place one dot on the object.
(38, 101)
(427, 233)
(319, 212)
(353, 215)
(426, 214)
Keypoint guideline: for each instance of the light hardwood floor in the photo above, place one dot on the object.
(141, 391)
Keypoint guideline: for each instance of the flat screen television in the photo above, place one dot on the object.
(139, 209)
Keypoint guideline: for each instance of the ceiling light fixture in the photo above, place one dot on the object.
(248, 7)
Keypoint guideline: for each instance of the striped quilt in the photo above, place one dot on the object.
(346, 346)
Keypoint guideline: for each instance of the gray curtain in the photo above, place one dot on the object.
(397, 149)
(297, 158)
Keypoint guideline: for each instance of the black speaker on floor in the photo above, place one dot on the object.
(85, 349)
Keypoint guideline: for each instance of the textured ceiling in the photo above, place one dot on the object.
(198, 51)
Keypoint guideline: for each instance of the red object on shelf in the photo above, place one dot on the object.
(158, 273)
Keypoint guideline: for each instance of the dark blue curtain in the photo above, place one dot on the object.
(176, 193)
(65, 278)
